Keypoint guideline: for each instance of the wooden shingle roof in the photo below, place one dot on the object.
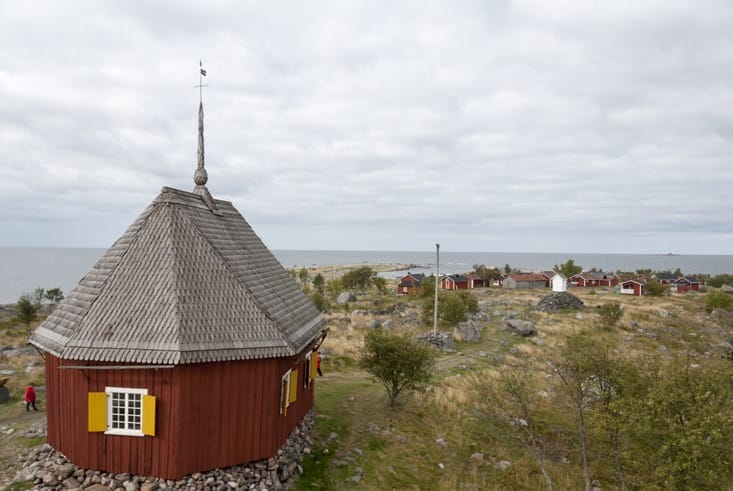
(186, 283)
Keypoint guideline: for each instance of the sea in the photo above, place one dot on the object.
(23, 269)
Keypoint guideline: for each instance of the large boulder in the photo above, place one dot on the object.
(468, 331)
(345, 297)
(523, 328)
(558, 301)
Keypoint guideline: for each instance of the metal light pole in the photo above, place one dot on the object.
(437, 279)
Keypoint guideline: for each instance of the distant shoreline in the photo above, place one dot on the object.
(25, 269)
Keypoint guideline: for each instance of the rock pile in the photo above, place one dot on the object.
(442, 341)
(556, 301)
(49, 470)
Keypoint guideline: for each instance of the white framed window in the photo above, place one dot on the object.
(307, 370)
(125, 411)
(285, 393)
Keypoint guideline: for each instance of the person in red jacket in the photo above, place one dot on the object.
(30, 398)
(320, 373)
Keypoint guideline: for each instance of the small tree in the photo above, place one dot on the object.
(27, 310)
(334, 287)
(452, 309)
(395, 361)
(318, 300)
(319, 282)
(610, 314)
(54, 295)
(303, 276)
(568, 268)
(359, 279)
(381, 285)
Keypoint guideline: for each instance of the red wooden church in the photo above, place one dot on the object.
(187, 347)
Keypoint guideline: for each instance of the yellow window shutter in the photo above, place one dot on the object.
(149, 415)
(314, 365)
(293, 386)
(97, 411)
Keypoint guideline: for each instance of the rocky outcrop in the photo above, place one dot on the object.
(558, 301)
(523, 328)
(345, 297)
(468, 331)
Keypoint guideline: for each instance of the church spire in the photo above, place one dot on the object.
(200, 177)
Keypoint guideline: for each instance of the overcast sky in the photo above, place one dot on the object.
(518, 126)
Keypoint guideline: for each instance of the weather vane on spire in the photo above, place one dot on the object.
(200, 176)
(201, 85)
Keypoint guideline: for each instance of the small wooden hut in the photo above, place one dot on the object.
(187, 347)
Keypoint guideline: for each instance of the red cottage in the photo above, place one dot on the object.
(636, 288)
(454, 282)
(476, 281)
(187, 347)
(410, 283)
(516, 281)
(594, 279)
(687, 284)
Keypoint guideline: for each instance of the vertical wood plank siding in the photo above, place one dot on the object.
(209, 415)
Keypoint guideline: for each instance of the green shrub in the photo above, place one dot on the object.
(395, 361)
(610, 314)
(718, 300)
(655, 288)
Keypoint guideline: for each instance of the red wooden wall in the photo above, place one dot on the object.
(207, 415)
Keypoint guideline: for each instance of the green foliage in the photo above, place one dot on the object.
(507, 269)
(318, 300)
(655, 288)
(610, 314)
(334, 287)
(680, 430)
(54, 295)
(395, 361)
(380, 284)
(485, 273)
(38, 295)
(303, 276)
(568, 268)
(718, 300)
(427, 287)
(319, 282)
(720, 280)
(358, 279)
(469, 300)
(27, 309)
(451, 309)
